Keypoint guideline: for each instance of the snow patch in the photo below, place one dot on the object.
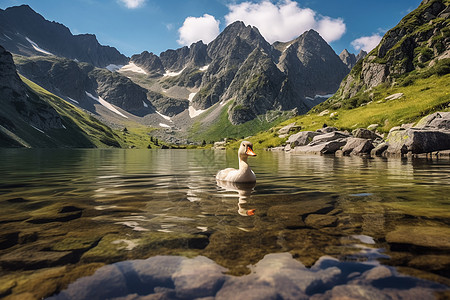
(204, 68)
(7, 37)
(194, 112)
(191, 96)
(164, 116)
(145, 104)
(75, 101)
(105, 104)
(173, 74)
(37, 129)
(164, 125)
(113, 67)
(37, 48)
(131, 67)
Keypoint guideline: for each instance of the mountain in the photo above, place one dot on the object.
(25, 32)
(31, 117)
(350, 59)
(238, 77)
(419, 46)
(242, 68)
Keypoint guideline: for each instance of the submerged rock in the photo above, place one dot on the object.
(429, 237)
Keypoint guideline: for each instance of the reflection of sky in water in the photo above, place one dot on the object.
(276, 276)
(134, 194)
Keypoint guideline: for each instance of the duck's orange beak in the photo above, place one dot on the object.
(251, 212)
(250, 152)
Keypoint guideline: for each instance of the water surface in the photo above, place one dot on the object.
(335, 225)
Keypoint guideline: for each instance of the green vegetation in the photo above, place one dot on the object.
(82, 125)
(222, 127)
(425, 96)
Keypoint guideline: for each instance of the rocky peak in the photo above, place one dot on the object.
(149, 62)
(361, 55)
(27, 29)
(249, 35)
(349, 59)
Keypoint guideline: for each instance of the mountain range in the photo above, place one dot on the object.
(239, 74)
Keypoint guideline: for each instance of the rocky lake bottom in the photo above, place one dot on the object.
(154, 224)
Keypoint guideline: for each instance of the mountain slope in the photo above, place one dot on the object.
(418, 46)
(32, 117)
(25, 32)
(413, 79)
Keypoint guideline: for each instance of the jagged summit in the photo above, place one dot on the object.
(25, 32)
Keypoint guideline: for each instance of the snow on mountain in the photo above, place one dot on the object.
(36, 47)
(105, 104)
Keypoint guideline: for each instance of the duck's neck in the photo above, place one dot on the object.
(243, 165)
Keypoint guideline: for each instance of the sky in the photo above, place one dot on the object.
(134, 26)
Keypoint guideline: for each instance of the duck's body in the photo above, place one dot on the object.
(244, 173)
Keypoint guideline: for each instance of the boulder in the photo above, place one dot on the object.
(327, 137)
(438, 120)
(373, 126)
(327, 129)
(394, 96)
(418, 141)
(288, 128)
(379, 149)
(302, 138)
(365, 134)
(329, 147)
(357, 146)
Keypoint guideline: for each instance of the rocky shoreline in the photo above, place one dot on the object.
(430, 137)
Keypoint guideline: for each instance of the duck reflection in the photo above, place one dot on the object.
(244, 191)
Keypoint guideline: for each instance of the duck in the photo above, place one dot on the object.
(244, 173)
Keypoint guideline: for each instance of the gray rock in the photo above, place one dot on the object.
(418, 141)
(379, 149)
(288, 128)
(373, 126)
(327, 129)
(377, 273)
(198, 277)
(394, 96)
(327, 137)
(353, 291)
(357, 146)
(365, 134)
(301, 138)
(438, 120)
(329, 147)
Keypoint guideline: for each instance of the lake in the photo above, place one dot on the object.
(131, 224)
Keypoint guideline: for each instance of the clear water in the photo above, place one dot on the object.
(67, 214)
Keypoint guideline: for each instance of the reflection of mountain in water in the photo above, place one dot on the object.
(276, 276)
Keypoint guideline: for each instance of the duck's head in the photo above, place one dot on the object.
(246, 150)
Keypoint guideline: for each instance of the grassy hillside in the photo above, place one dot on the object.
(82, 130)
(222, 127)
(423, 97)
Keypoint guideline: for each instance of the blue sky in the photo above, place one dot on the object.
(133, 26)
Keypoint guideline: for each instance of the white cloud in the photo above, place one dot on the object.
(285, 20)
(367, 43)
(194, 29)
(132, 4)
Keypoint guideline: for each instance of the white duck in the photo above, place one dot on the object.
(244, 173)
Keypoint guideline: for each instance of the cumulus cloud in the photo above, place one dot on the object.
(366, 43)
(204, 28)
(285, 20)
(132, 4)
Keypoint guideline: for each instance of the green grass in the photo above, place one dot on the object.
(423, 97)
(82, 125)
(222, 127)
